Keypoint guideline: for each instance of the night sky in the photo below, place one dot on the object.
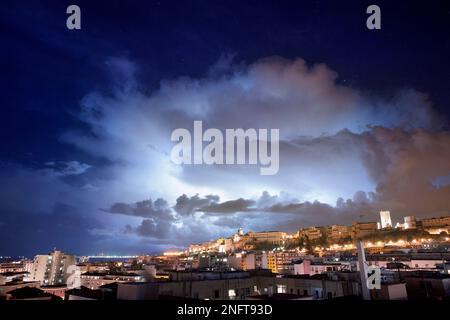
(86, 117)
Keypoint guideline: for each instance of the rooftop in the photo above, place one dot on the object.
(118, 274)
(278, 296)
(31, 293)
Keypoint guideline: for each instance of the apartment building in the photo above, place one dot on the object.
(53, 268)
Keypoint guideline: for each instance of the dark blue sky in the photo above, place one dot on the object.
(47, 70)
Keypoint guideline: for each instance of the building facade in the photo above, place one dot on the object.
(52, 269)
(385, 218)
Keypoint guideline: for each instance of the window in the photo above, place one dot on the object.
(281, 288)
(216, 294)
(232, 294)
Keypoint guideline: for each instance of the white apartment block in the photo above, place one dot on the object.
(52, 269)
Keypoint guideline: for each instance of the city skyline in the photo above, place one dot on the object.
(363, 261)
(87, 117)
(346, 235)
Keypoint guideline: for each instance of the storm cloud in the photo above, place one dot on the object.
(145, 208)
(344, 155)
(188, 205)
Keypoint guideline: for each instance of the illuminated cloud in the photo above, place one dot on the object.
(186, 206)
(336, 143)
(329, 133)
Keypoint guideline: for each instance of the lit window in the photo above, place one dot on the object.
(281, 288)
